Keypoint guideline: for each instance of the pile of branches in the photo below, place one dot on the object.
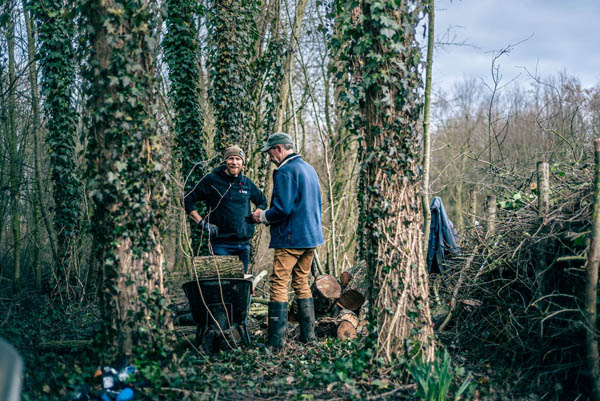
(516, 295)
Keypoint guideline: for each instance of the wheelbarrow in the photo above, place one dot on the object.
(219, 308)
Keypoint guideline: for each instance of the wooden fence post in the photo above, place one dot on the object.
(490, 209)
(543, 183)
(473, 200)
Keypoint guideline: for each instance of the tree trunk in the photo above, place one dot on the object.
(181, 54)
(231, 25)
(128, 181)
(36, 129)
(591, 288)
(15, 179)
(426, 134)
(391, 221)
(289, 65)
(57, 63)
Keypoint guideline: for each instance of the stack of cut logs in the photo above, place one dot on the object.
(340, 305)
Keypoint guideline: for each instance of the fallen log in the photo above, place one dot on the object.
(351, 299)
(325, 291)
(62, 344)
(348, 323)
(356, 287)
(345, 278)
(213, 267)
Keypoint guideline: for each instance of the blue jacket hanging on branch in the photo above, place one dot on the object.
(442, 237)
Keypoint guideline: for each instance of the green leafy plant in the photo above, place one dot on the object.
(516, 201)
(436, 380)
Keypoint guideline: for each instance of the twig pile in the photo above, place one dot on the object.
(520, 301)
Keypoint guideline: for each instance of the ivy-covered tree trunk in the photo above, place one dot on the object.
(182, 54)
(268, 73)
(232, 36)
(285, 87)
(57, 61)
(384, 103)
(125, 174)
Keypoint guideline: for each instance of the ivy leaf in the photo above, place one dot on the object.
(388, 33)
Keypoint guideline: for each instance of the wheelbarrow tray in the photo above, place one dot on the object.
(228, 300)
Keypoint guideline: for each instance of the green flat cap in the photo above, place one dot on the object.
(278, 138)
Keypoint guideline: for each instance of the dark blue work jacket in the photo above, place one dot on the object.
(227, 201)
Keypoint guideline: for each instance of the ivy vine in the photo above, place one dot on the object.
(232, 36)
(56, 33)
(182, 56)
(125, 174)
(379, 76)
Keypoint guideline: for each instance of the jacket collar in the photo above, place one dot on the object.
(289, 157)
(220, 171)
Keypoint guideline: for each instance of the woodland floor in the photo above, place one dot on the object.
(328, 369)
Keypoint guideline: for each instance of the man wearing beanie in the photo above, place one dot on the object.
(294, 217)
(227, 194)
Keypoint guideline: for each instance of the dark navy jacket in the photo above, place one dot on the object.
(295, 211)
(227, 201)
(442, 237)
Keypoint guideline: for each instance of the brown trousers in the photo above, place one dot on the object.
(295, 263)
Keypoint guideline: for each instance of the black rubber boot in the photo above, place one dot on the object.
(278, 322)
(306, 312)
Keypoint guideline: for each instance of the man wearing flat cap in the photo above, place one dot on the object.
(227, 194)
(294, 217)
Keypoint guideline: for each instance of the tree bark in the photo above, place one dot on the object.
(36, 130)
(391, 220)
(591, 288)
(128, 185)
(15, 179)
(426, 134)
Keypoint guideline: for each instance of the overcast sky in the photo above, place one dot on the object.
(551, 36)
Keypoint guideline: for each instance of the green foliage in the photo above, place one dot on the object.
(437, 380)
(517, 200)
(232, 35)
(56, 32)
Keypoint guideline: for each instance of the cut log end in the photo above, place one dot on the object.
(351, 299)
(325, 291)
(346, 331)
(328, 286)
(345, 278)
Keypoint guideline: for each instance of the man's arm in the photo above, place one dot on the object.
(195, 216)
(189, 201)
(284, 196)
